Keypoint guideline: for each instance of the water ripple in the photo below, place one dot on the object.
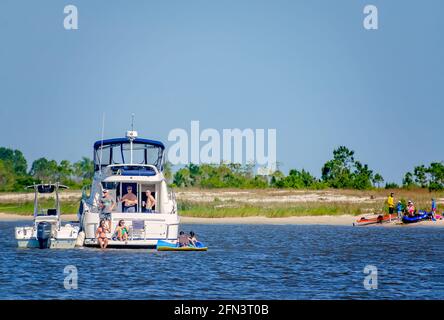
(243, 262)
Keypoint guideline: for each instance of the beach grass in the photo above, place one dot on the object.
(219, 203)
(27, 207)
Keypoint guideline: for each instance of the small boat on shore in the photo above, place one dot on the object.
(171, 246)
(47, 230)
(365, 221)
(422, 215)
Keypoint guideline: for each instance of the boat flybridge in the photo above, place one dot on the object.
(47, 230)
(130, 163)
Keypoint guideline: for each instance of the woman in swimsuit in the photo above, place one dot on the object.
(411, 209)
(122, 231)
(101, 234)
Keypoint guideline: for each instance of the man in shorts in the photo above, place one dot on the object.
(106, 206)
(391, 203)
(129, 200)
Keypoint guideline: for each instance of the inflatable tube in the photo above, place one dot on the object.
(168, 246)
(422, 215)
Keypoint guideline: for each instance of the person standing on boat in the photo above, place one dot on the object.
(106, 206)
(129, 200)
(149, 203)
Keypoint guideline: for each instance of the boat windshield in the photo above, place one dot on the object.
(120, 153)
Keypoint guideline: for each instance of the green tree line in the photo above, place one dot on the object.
(343, 171)
(14, 174)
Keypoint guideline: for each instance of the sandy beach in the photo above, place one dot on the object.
(343, 220)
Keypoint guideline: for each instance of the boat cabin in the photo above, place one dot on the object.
(118, 188)
(129, 156)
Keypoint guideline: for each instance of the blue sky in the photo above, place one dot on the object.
(307, 68)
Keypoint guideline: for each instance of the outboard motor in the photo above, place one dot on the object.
(44, 230)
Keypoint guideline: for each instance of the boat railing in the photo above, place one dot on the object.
(171, 195)
(172, 198)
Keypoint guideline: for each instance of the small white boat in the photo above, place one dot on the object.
(47, 230)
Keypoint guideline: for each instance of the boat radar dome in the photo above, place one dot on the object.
(131, 135)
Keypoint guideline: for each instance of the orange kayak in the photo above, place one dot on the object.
(364, 221)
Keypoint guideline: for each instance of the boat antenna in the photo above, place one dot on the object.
(131, 135)
(101, 144)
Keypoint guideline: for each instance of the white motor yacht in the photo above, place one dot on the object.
(135, 165)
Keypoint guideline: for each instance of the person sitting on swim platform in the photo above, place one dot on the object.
(122, 231)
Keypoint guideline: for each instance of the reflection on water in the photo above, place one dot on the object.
(243, 262)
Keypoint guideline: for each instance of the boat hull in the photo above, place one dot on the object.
(379, 219)
(145, 230)
(52, 243)
(64, 237)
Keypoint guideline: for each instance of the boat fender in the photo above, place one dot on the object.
(80, 239)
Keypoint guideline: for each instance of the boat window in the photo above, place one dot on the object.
(103, 156)
(139, 154)
(121, 154)
(110, 185)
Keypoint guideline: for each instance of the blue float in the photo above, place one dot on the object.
(422, 215)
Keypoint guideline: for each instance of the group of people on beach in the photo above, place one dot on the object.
(408, 210)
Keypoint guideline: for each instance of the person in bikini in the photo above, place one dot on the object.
(101, 234)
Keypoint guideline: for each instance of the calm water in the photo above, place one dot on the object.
(243, 262)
